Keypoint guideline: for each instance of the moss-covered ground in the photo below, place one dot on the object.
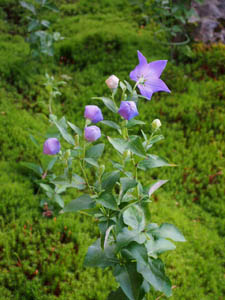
(42, 258)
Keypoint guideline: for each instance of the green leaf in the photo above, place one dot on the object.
(169, 231)
(107, 233)
(51, 7)
(110, 180)
(112, 125)
(51, 163)
(62, 184)
(108, 103)
(59, 200)
(117, 295)
(107, 200)
(76, 129)
(34, 141)
(153, 272)
(156, 139)
(95, 151)
(153, 161)
(134, 217)
(158, 246)
(81, 203)
(96, 257)
(35, 168)
(133, 122)
(47, 188)
(136, 251)
(129, 279)
(128, 86)
(28, 6)
(119, 144)
(126, 185)
(136, 147)
(33, 25)
(61, 125)
(45, 23)
(92, 162)
(126, 236)
(156, 186)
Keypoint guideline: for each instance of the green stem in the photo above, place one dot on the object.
(82, 166)
(50, 104)
(113, 100)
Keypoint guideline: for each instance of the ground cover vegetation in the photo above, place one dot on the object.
(42, 258)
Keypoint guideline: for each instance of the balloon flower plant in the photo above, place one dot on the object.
(112, 191)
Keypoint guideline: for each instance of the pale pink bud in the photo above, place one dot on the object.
(112, 82)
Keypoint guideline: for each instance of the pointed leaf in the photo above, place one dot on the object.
(35, 168)
(134, 217)
(126, 236)
(133, 122)
(96, 257)
(117, 295)
(92, 162)
(153, 272)
(95, 151)
(64, 133)
(126, 185)
(108, 103)
(136, 147)
(119, 144)
(76, 129)
(28, 6)
(59, 200)
(171, 232)
(112, 125)
(110, 180)
(81, 203)
(159, 246)
(129, 279)
(156, 186)
(51, 163)
(108, 201)
(153, 161)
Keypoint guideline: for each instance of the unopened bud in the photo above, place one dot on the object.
(67, 154)
(101, 170)
(77, 140)
(112, 82)
(156, 124)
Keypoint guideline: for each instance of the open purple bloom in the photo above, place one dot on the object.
(93, 113)
(51, 146)
(148, 76)
(128, 110)
(92, 133)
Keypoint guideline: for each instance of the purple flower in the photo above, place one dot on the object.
(93, 113)
(148, 76)
(128, 110)
(51, 146)
(92, 133)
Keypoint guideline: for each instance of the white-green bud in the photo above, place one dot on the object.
(67, 154)
(156, 124)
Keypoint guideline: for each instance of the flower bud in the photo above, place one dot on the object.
(92, 133)
(156, 124)
(67, 154)
(77, 140)
(101, 170)
(51, 146)
(128, 110)
(93, 113)
(112, 82)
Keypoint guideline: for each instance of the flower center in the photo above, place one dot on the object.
(141, 79)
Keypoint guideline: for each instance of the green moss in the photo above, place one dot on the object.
(102, 39)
